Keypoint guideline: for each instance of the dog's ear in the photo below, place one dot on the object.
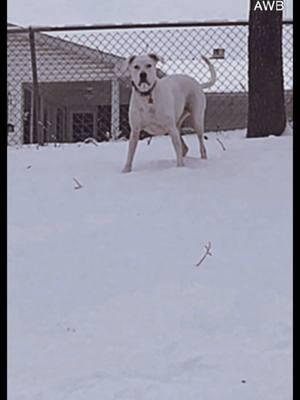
(130, 60)
(122, 69)
(156, 58)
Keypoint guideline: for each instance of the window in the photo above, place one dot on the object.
(59, 131)
(218, 53)
(82, 125)
(103, 122)
(46, 125)
(27, 116)
(124, 123)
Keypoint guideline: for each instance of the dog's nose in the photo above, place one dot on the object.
(143, 75)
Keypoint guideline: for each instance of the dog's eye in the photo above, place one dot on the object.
(148, 65)
(136, 67)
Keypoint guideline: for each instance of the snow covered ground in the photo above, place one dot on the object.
(104, 299)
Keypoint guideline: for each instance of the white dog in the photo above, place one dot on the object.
(160, 106)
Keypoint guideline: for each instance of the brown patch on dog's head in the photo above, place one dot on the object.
(130, 59)
(155, 57)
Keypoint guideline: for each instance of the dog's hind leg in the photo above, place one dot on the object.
(184, 146)
(198, 106)
(199, 128)
(200, 134)
(177, 143)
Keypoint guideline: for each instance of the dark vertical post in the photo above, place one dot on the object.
(266, 112)
(37, 133)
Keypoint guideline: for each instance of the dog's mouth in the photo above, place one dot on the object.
(144, 83)
(144, 86)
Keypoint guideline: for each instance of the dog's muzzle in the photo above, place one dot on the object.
(143, 79)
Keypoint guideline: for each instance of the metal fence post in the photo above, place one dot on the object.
(37, 133)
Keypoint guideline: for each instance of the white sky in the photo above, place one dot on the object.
(66, 12)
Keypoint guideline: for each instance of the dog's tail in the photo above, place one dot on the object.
(212, 73)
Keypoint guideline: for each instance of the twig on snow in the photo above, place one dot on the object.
(78, 184)
(221, 143)
(91, 140)
(207, 253)
(149, 140)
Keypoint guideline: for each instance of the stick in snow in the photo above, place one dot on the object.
(221, 143)
(79, 185)
(91, 140)
(207, 253)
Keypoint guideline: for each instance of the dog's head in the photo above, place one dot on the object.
(143, 70)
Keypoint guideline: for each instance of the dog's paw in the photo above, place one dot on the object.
(126, 169)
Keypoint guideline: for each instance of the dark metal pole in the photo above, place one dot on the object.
(36, 130)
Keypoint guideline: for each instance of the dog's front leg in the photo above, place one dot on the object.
(133, 141)
(176, 140)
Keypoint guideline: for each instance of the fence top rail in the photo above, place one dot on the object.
(154, 25)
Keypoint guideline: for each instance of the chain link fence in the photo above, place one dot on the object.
(65, 85)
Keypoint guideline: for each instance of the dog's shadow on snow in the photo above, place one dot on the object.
(161, 165)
